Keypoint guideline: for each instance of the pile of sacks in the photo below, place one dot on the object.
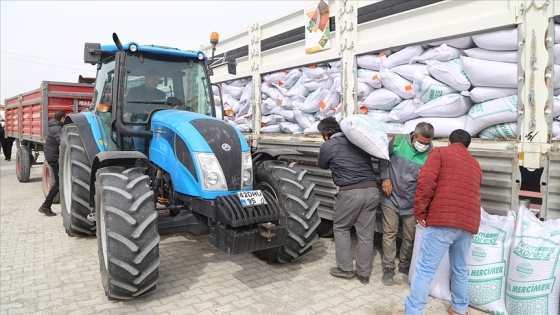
(468, 82)
(512, 264)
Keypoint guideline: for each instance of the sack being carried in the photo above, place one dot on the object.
(368, 134)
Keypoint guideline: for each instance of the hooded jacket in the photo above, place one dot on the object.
(52, 143)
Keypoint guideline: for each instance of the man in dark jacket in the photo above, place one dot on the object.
(52, 153)
(356, 202)
(7, 144)
(448, 204)
(399, 176)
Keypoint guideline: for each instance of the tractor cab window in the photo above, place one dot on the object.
(102, 102)
(166, 82)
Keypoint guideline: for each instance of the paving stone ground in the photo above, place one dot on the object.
(44, 271)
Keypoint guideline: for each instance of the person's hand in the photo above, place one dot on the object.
(422, 222)
(387, 186)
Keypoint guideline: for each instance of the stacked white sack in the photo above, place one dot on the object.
(238, 99)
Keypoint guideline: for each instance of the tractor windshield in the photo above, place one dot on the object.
(154, 82)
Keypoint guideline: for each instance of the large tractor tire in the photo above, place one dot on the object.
(23, 164)
(74, 184)
(48, 181)
(294, 192)
(127, 233)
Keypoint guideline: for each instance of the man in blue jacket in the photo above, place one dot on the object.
(356, 202)
(399, 177)
(52, 153)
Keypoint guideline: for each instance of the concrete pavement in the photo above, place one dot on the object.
(44, 271)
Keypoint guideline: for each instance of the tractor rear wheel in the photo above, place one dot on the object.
(74, 177)
(48, 181)
(294, 192)
(127, 233)
(23, 164)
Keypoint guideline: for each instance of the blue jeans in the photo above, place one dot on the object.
(436, 241)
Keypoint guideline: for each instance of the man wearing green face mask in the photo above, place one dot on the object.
(399, 176)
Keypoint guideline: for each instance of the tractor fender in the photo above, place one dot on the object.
(112, 158)
(270, 154)
(86, 134)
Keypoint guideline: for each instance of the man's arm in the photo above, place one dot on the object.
(384, 164)
(324, 158)
(427, 181)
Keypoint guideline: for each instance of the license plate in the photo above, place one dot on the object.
(251, 198)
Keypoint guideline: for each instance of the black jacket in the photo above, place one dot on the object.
(348, 163)
(53, 140)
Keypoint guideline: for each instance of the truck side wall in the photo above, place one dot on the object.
(364, 27)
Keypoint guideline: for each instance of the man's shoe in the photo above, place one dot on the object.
(452, 312)
(341, 274)
(404, 270)
(363, 280)
(47, 211)
(398, 312)
(388, 274)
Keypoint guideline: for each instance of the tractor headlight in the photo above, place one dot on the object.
(211, 172)
(247, 170)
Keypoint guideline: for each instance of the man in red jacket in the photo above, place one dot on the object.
(448, 204)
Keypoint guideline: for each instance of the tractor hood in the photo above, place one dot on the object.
(179, 135)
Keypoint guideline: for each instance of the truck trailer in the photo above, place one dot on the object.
(516, 166)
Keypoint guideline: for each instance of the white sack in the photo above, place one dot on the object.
(271, 129)
(493, 55)
(305, 120)
(381, 99)
(291, 128)
(332, 99)
(366, 133)
(287, 114)
(404, 111)
(450, 72)
(246, 119)
(557, 54)
(407, 71)
(311, 103)
(557, 33)
(487, 262)
(426, 88)
(247, 92)
(232, 90)
(274, 77)
(364, 89)
(394, 128)
(268, 105)
(272, 92)
(245, 107)
(370, 77)
(461, 42)
(396, 83)
(298, 89)
(372, 62)
(313, 84)
(490, 73)
(555, 130)
(556, 106)
(442, 52)
(443, 127)
(498, 40)
(500, 131)
(402, 57)
(484, 94)
(482, 115)
(556, 77)
(243, 127)
(231, 101)
(450, 105)
(440, 287)
(314, 71)
(533, 272)
(378, 114)
(272, 119)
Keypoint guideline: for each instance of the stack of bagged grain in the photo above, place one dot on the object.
(238, 99)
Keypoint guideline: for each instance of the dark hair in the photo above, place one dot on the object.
(328, 126)
(60, 114)
(424, 129)
(461, 136)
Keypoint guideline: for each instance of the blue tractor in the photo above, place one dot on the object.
(151, 158)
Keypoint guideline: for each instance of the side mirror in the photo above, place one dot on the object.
(92, 53)
(231, 66)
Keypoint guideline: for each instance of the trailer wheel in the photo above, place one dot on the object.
(23, 164)
(48, 181)
(127, 233)
(294, 192)
(74, 184)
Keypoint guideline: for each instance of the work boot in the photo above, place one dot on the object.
(363, 279)
(452, 312)
(404, 270)
(46, 211)
(341, 273)
(388, 274)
